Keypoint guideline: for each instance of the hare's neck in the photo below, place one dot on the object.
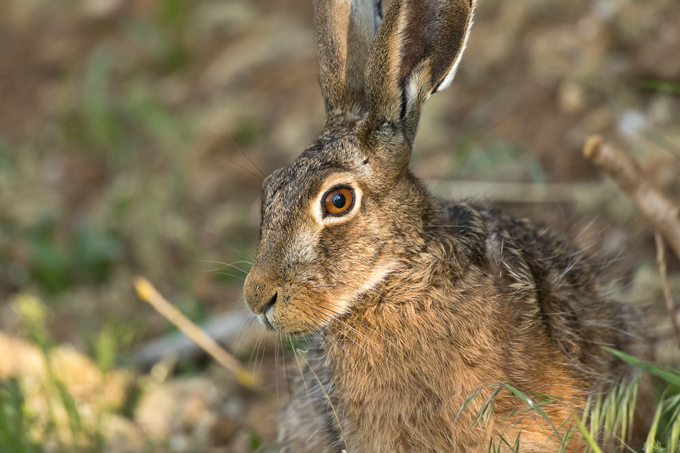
(390, 364)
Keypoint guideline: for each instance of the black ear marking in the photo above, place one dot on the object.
(404, 102)
(436, 87)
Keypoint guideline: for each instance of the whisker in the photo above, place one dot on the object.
(241, 249)
(257, 177)
(244, 155)
(224, 264)
(244, 175)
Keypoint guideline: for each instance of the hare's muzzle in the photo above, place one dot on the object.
(259, 295)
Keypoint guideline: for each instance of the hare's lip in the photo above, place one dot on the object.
(269, 325)
(264, 319)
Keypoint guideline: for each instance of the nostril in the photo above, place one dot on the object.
(271, 302)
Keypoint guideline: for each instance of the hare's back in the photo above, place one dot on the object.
(531, 262)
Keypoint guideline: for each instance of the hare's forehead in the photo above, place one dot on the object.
(308, 174)
(298, 182)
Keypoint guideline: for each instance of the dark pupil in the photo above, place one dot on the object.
(338, 200)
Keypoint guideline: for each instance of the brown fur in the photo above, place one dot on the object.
(416, 304)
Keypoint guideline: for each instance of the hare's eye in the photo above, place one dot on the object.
(339, 201)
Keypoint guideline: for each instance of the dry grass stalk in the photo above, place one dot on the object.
(656, 207)
(147, 292)
(663, 270)
(625, 171)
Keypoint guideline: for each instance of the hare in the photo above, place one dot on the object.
(415, 304)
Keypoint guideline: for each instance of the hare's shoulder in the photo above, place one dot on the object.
(532, 265)
(534, 251)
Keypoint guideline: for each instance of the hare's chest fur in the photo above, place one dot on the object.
(401, 380)
(402, 387)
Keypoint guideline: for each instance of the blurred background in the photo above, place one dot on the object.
(133, 139)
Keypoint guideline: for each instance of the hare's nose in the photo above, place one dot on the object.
(259, 296)
(271, 302)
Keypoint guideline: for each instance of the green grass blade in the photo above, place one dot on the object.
(651, 437)
(487, 409)
(586, 433)
(670, 376)
(536, 407)
(674, 436)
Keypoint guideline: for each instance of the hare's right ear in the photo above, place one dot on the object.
(415, 53)
(344, 32)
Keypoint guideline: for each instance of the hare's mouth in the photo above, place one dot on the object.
(292, 317)
(266, 322)
(269, 324)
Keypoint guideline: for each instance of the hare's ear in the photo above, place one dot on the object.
(415, 53)
(344, 32)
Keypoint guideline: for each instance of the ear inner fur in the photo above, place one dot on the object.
(415, 53)
(446, 81)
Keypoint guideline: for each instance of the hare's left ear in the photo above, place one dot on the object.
(344, 32)
(415, 53)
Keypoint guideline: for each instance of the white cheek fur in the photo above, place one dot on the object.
(344, 303)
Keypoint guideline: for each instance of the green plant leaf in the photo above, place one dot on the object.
(668, 375)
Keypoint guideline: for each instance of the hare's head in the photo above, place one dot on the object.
(338, 219)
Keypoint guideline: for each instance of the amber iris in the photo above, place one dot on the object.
(339, 201)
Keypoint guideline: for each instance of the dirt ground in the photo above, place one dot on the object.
(134, 135)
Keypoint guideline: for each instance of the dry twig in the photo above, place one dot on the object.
(663, 270)
(661, 211)
(147, 292)
(228, 328)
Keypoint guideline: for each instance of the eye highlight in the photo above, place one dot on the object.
(338, 201)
